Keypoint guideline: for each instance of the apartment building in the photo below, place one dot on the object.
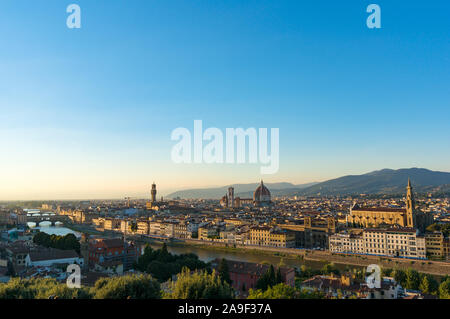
(182, 230)
(346, 242)
(112, 224)
(143, 227)
(437, 245)
(271, 237)
(207, 232)
(394, 241)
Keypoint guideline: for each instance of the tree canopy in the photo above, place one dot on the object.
(199, 285)
(162, 265)
(283, 291)
(127, 287)
(67, 242)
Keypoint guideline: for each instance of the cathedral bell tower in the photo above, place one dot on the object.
(153, 193)
(410, 206)
(84, 250)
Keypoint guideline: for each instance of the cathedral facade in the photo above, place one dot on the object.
(381, 216)
(261, 198)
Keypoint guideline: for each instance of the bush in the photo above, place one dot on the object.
(162, 265)
(127, 287)
(39, 288)
(283, 291)
(199, 285)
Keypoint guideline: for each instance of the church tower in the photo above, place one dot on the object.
(230, 197)
(153, 193)
(410, 206)
(84, 250)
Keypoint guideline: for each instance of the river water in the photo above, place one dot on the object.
(207, 254)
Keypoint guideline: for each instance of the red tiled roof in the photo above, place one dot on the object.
(249, 268)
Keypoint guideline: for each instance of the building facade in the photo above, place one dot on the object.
(394, 242)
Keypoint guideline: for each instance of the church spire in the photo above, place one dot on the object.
(410, 205)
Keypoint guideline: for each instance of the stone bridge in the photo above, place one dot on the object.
(47, 218)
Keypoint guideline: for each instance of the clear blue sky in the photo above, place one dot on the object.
(88, 113)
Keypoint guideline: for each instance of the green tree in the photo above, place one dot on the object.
(400, 277)
(444, 289)
(412, 279)
(199, 285)
(127, 287)
(67, 242)
(224, 272)
(279, 291)
(162, 265)
(279, 277)
(329, 269)
(428, 285)
(40, 288)
(283, 291)
(387, 272)
(267, 279)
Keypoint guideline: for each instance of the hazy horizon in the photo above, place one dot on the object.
(97, 195)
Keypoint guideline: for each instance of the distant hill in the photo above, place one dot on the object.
(242, 190)
(385, 181)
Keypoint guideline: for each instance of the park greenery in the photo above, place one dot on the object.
(67, 242)
(199, 285)
(125, 287)
(283, 291)
(189, 285)
(224, 272)
(162, 265)
(269, 279)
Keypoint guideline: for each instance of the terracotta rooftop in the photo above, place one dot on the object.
(52, 254)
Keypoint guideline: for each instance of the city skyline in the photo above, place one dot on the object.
(88, 113)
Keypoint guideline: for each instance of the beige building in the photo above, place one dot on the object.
(347, 242)
(207, 232)
(143, 227)
(182, 230)
(437, 245)
(112, 224)
(271, 237)
(394, 241)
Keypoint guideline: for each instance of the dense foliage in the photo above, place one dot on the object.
(162, 265)
(224, 272)
(133, 287)
(40, 288)
(283, 291)
(444, 289)
(67, 242)
(127, 287)
(199, 285)
(413, 280)
(269, 279)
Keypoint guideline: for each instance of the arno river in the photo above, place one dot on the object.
(208, 254)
